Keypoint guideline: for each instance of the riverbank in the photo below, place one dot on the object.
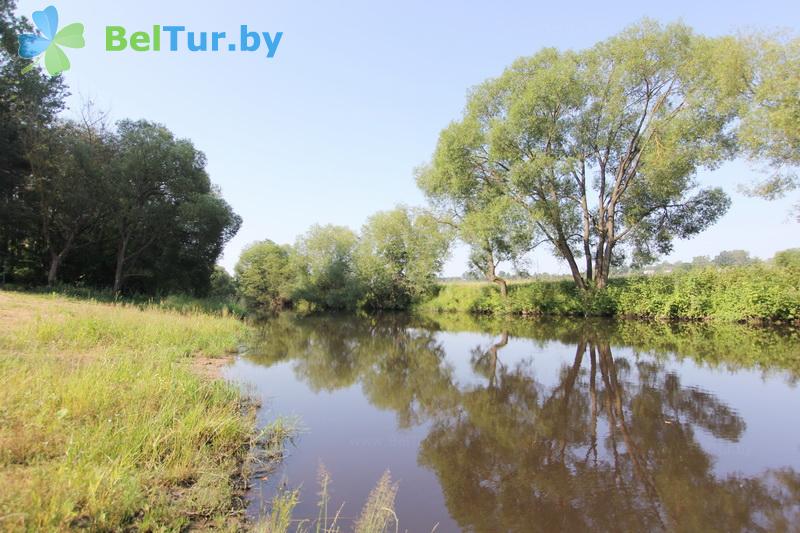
(740, 294)
(105, 422)
(183, 303)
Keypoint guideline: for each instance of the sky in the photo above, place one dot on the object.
(330, 129)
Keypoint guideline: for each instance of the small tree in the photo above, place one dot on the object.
(494, 227)
(324, 255)
(399, 255)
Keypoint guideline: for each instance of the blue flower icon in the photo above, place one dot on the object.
(49, 41)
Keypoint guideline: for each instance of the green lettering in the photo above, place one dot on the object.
(115, 38)
(140, 41)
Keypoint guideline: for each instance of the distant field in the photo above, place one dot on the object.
(510, 281)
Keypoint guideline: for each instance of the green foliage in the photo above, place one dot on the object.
(390, 265)
(769, 129)
(70, 165)
(169, 224)
(399, 255)
(737, 294)
(600, 147)
(134, 199)
(747, 293)
(325, 260)
(539, 298)
(725, 258)
(493, 226)
(266, 276)
(221, 285)
(28, 102)
(789, 259)
(279, 519)
(733, 258)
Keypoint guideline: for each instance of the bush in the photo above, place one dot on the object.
(746, 293)
(742, 293)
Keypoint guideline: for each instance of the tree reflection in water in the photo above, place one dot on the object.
(610, 445)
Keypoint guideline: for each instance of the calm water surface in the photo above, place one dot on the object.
(523, 425)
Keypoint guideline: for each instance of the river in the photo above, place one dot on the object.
(524, 425)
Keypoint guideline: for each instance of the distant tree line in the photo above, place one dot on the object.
(727, 258)
(391, 264)
(128, 207)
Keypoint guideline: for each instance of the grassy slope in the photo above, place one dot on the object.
(756, 292)
(103, 423)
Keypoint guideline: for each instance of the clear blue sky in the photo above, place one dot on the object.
(331, 128)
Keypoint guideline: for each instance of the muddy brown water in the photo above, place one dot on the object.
(523, 425)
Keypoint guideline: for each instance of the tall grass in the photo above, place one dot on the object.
(103, 423)
(377, 515)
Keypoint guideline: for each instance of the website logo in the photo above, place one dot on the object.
(178, 38)
(48, 41)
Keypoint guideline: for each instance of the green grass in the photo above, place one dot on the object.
(183, 303)
(105, 425)
(752, 293)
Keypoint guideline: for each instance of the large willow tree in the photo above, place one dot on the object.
(601, 147)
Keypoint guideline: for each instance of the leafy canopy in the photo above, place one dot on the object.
(600, 147)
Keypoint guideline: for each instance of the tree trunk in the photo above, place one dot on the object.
(52, 273)
(494, 357)
(602, 279)
(119, 272)
(599, 264)
(56, 258)
(491, 275)
(573, 265)
(587, 228)
(503, 286)
(587, 252)
(603, 270)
